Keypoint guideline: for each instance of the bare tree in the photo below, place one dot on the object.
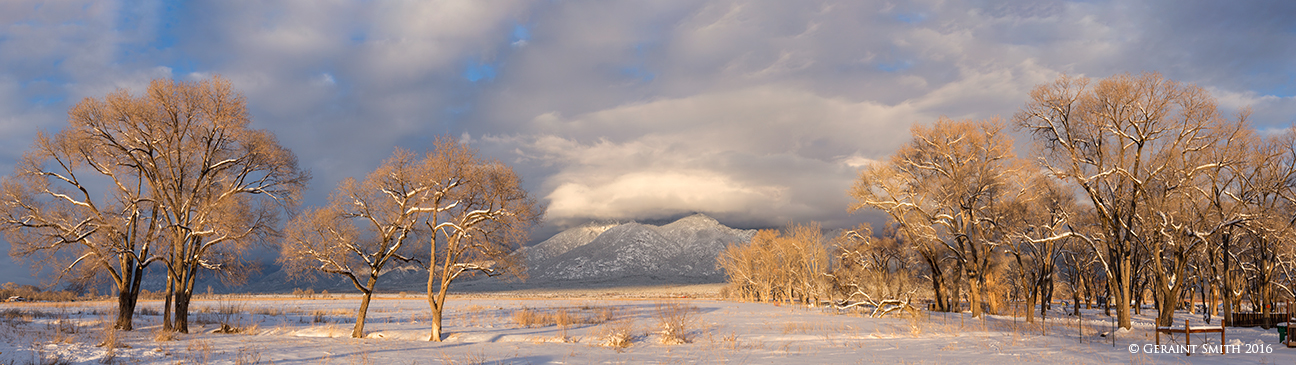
(53, 208)
(482, 217)
(473, 213)
(1261, 192)
(1037, 221)
(190, 184)
(218, 184)
(366, 225)
(873, 271)
(780, 266)
(939, 188)
(741, 262)
(1117, 142)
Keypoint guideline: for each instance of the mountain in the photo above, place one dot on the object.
(592, 255)
(565, 241)
(683, 251)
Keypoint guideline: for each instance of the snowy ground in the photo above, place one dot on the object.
(489, 330)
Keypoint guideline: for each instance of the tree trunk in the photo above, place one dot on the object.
(167, 306)
(957, 296)
(184, 295)
(1136, 294)
(358, 332)
(1215, 300)
(125, 310)
(1123, 296)
(1075, 309)
(1264, 305)
(182, 312)
(436, 323)
(435, 303)
(974, 295)
(1108, 303)
(127, 297)
(1228, 286)
(1205, 291)
(1087, 286)
(1046, 289)
(937, 286)
(1030, 303)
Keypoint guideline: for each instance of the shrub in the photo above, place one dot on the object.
(675, 320)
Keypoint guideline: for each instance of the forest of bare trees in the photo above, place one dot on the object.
(1136, 191)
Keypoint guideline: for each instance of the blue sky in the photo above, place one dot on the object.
(757, 113)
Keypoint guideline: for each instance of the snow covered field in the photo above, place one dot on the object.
(489, 330)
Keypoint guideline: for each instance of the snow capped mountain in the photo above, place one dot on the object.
(682, 251)
(564, 241)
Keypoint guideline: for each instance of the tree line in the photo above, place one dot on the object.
(176, 177)
(1136, 187)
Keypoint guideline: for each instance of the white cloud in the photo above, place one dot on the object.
(649, 194)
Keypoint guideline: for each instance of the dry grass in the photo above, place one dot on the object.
(618, 335)
(110, 341)
(527, 317)
(55, 359)
(317, 316)
(147, 311)
(472, 358)
(333, 330)
(161, 335)
(675, 320)
(604, 315)
(798, 327)
(269, 311)
(197, 352)
(15, 317)
(477, 314)
(730, 341)
(563, 317)
(247, 356)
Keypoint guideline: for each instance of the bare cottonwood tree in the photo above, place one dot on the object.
(748, 270)
(1117, 142)
(1037, 221)
(873, 271)
(217, 183)
(1257, 204)
(53, 208)
(484, 216)
(780, 266)
(472, 212)
(367, 225)
(191, 185)
(939, 187)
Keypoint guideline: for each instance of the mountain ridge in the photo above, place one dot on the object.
(683, 251)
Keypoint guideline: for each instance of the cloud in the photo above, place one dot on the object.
(649, 194)
(763, 155)
(766, 110)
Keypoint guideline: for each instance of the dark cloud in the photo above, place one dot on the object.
(758, 113)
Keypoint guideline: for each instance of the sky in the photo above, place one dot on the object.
(757, 113)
